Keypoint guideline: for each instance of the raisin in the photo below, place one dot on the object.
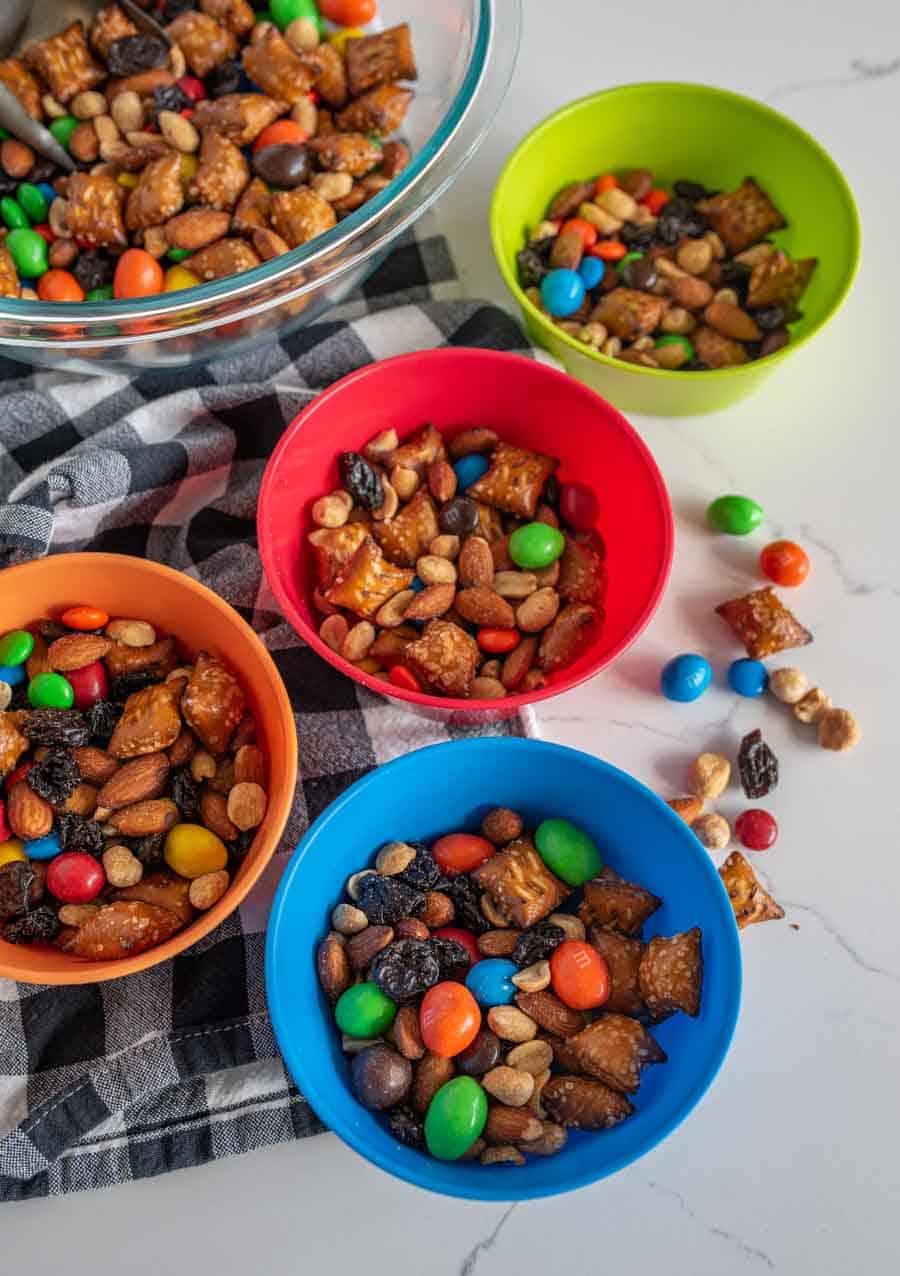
(132, 54)
(737, 276)
(8, 185)
(56, 777)
(770, 318)
(19, 698)
(423, 873)
(405, 969)
(102, 718)
(43, 170)
(467, 903)
(384, 900)
(537, 944)
(125, 685)
(169, 97)
(677, 219)
(40, 924)
(636, 238)
(16, 880)
(224, 78)
(78, 834)
(149, 849)
(452, 958)
(186, 795)
(690, 191)
(170, 9)
(406, 1127)
(360, 480)
(551, 493)
(758, 766)
(55, 726)
(532, 267)
(93, 269)
(238, 848)
(52, 629)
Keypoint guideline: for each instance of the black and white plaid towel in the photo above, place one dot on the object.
(107, 1083)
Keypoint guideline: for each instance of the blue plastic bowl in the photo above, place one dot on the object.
(450, 786)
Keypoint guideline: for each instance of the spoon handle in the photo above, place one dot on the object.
(16, 120)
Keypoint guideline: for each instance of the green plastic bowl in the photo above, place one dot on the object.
(710, 136)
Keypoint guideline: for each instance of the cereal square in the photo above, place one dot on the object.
(763, 623)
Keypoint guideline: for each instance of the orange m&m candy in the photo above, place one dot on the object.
(59, 285)
(785, 562)
(579, 975)
(449, 1019)
(461, 852)
(85, 618)
(281, 132)
(137, 275)
(348, 13)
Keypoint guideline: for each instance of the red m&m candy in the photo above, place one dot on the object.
(578, 506)
(756, 829)
(75, 878)
(89, 683)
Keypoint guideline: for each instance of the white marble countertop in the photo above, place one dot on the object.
(788, 1164)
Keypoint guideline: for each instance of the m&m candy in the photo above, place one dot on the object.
(562, 292)
(75, 877)
(50, 691)
(536, 545)
(490, 982)
(579, 975)
(461, 852)
(455, 1119)
(748, 677)
(364, 1011)
(685, 677)
(449, 1018)
(756, 829)
(785, 562)
(736, 515)
(567, 851)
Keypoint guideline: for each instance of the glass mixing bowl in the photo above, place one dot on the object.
(466, 51)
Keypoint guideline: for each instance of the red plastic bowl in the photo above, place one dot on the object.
(526, 403)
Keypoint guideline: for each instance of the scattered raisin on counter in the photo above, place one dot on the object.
(405, 969)
(56, 777)
(757, 765)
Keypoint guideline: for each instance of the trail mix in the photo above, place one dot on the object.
(243, 138)
(132, 784)
(684, 279)
(467, 997)
(459, 566)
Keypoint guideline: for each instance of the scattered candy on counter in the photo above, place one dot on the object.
(748, 677)
(685, 677)
(457, 566)
(736, 515)
(756, 829)
(246, 136)
(686, 279)
(441, 1022)
(132, 784)
(785, 562)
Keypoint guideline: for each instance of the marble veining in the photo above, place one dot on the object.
(748, 1251)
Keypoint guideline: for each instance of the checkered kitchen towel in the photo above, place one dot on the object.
(111, 1082)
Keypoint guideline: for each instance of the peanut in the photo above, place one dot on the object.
(514, 584)
(679, 320)
(487, 689)
(394, 858)
(379, 449)
(512, 1086)
(534, 1103)
(788, 685)
(54, 109)
(179, 132)
(811, 707)
(131, 633)
(531, 1056)
(755, 255)
(604, 221)
(466, 442)
(619, 203)
(333, 186)
(208, 889)
(247, 804)
(76, 914)
(389, 506)
(502, 1155)
(404, 482)
(534, 978)
(306, 114)
(511, 1024)
(203, 765)
(715, 243)
(333, 631)
(573, 926)
(177, 61)
(538, 610)
(709, 775)
(84, 106)
(694, 256)
(302, 35)
(726, 296)
(839, 730)
(391, 613)
(121, 866)
(355, 879)
(713, 831)
(348, 920)
(106, 129)
(490, 669)
(445, 546)
(612, 347)
(358, 641)
(57, 217)
(433, 570)
(332, 510)
(593, 334)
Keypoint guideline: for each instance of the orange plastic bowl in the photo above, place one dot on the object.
(176, 604)
(526, 403)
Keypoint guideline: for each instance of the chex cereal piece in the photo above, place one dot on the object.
(614, 904)
(445, 656)
(419, 452)
(380, 59)
(750, 900)
(329, 73)
(520, 884)
(222, 172)
(671, 973)
(64, 62)
(335, 546)
(515, 481)
(742, 217)
(623, 958)
(22, 85)
(367, 581)
(717, 351)
(582, 573)
(614, 1049)
(276, 68)
(158, 195)
(300, 215)
(407, 536)
(94, 209)
(225, 257)
(628, 313)
(763, 623)
(778, 281)
(240, 117)
(203, 41)
(581, 1104)
(252, 211)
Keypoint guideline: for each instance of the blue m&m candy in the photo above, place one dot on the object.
(417, 585)
(685, 677)
(748, 677)
(490, 981)
(469, 469)
(592, 270)
(12, 675)
(562, 292)
(43, 848)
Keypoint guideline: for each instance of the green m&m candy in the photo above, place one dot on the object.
(33, 202)
(455, 1118)
(179, 254)
(63, 128)
(50, 691)
(364, 1011)
(536, 545)
(567, 851)
(29, 253)
(284, 12)
(736, 515)
(675, 339)
(13, 214)
(16, 647)
(100, 294)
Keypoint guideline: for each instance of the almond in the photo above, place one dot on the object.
(432, 602)
(503, 1154)
(732, 321)
(95, 765)
(537, 612)
(364, 947)
(431, 1073)
(142, 778)
(511, 1125)
(39, 660)
(82, 800)
(518, 663)
(689, 808)
(483, 607)
(214, 815)
(691, 293)
(411, 928)
(498, 943)
(442, 481)
(438, 910)
(476, 563)
(551, 1013)
(406, 1034)
(143, 818)
(183, 749)
(74, 651)
(250, 764)
(333, 967)
(29, 816)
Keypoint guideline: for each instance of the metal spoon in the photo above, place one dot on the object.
(13, 116)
